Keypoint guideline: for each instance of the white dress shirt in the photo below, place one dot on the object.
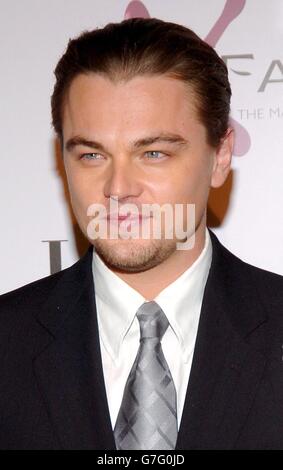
(119, 332)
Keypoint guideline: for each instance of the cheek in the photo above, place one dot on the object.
(191, 185)
(80, 185)
(178, 186)
(77, 197)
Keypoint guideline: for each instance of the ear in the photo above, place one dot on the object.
(222, 159)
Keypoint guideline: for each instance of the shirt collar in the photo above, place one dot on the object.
(120, 303)
(181, 302)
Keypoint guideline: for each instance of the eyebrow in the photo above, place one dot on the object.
(160, 138)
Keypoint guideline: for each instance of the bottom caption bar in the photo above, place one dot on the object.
(134, 458)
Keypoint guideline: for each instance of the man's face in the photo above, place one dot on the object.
(139, 141)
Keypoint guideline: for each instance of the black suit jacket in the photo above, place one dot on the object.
(52, 392)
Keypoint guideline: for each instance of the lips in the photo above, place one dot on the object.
(128, 217)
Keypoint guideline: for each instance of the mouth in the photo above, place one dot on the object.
(130, 218)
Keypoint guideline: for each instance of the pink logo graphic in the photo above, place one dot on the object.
(232, 9)
(136, 9)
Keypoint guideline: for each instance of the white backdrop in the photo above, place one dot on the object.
(34, 34)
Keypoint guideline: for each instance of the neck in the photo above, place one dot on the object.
(151, 282)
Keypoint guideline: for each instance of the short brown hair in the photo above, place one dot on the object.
(142, 46)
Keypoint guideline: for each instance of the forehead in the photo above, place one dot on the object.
(94, 102)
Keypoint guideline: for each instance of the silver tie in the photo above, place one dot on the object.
(147, 418)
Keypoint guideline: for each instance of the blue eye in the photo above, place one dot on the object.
(90, 156)
(154, 154)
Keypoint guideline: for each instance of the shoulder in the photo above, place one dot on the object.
(33, 292)
(21, 309)
(24, 301)
(233, 264)
(245, 280)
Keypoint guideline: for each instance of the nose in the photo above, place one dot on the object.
(122, 181)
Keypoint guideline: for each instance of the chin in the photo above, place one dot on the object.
(133, 255)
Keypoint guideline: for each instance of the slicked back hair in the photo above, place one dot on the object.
(149, 47)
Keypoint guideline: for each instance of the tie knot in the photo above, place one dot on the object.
(153, 321)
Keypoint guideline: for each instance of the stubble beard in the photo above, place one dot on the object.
(134, 256)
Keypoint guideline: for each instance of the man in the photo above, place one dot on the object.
(144, 343)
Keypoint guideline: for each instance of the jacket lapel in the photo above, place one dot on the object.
(229, 359)
(68, 366)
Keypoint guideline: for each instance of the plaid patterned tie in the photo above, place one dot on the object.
(147, 418)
